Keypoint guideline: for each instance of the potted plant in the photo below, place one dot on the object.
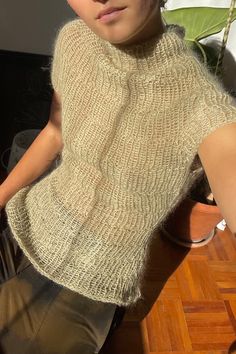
(193, 222)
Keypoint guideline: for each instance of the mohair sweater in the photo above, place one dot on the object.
(132, 121)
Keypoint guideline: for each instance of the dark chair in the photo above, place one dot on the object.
(116, 322)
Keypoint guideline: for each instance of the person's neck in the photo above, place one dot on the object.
(154, 28)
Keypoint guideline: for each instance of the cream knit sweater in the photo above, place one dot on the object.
(132, 121)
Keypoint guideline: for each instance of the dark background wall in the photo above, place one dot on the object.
(25, 93)
(27, 33)
(29, 26)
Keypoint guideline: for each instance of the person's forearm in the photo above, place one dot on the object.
(36, 160)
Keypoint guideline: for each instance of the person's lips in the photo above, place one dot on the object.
(109, 11)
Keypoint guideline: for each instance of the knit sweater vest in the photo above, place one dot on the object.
(133, 118)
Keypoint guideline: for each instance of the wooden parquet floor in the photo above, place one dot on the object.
(190, 301)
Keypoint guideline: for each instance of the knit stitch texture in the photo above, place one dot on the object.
(132, 121)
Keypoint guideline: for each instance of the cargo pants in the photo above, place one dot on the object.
(41, 317)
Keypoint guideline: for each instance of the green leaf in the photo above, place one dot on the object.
(199, 22)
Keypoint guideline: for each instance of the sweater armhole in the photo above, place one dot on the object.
(61, 50)
(211, 116)
(211, 108)
(56, 63)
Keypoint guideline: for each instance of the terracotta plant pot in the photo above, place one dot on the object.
(192, 224)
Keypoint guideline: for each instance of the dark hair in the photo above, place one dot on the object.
(162, 3)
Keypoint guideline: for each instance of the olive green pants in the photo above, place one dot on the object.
(38, 316)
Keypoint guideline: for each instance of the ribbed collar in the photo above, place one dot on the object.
(145, 57)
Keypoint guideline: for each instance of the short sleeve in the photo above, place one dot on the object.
(211, 107)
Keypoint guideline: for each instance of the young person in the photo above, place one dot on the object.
(132, 111)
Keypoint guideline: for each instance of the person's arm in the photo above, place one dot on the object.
(217, 153)
(38, 157)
